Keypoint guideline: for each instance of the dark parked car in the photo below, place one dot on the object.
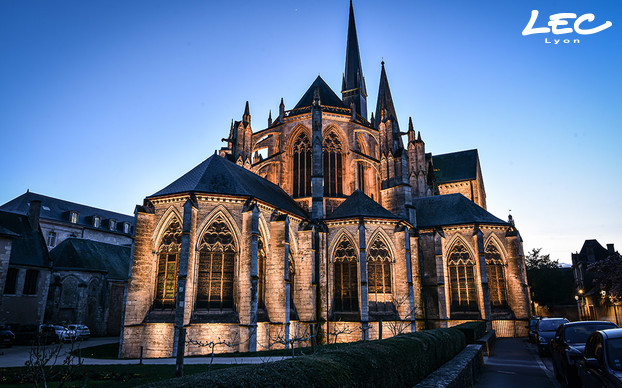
(602, 363)
(533, 321)
(7, 338)
(545, 331)
(568, 346)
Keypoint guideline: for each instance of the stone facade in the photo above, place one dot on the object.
(321, 227)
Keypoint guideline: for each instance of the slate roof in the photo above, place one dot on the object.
(451, 209)
(28, 247)
(217, 175)
(58, 210)
(89, 255)
(327, 95)
(593, 247)
(360, 205)
(456, 166)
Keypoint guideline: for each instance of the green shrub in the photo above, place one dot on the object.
(398, 361)
(472, 330)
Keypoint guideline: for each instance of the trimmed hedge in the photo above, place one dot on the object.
(404, 360)
(472, 330)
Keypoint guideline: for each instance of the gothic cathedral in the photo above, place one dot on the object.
(324, 226)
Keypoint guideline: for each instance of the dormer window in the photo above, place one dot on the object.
(97, 220)
(126, 227)
(73, 217)
(113, 224)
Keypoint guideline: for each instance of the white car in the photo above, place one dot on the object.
(82, 331)
(65, 334)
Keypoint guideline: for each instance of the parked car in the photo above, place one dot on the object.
(82, 331)
(545, 331)
(602, 363)
(568, 346)
(55, 333)
(533, 321)
(7, 338)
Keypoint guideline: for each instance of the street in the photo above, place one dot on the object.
(515, 363)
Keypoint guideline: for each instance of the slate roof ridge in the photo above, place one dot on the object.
(91, 255)
(357, 205)
(452, 209)
(216, 175)
(456, 166)
(328, 97)
(20, 205)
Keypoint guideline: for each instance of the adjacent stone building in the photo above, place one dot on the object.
(326, 226)
(25, 270)
(85, 271)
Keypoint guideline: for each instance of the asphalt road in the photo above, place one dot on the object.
(514, 362)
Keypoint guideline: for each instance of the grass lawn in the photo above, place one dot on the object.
(106, 375)
(111, 351)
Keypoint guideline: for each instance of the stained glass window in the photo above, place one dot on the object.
(333, 169)
(217, 255)
(168, 265)
(462, 279)
(346, 280)
(302, 166)
(496, 278)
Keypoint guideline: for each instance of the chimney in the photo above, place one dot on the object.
(34, 213)
(610, 248)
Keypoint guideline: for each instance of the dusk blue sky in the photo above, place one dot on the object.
(106, 102)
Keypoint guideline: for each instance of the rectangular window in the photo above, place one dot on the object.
(74, 217)
(97, 221)
(11, 281)
(30, 283)
(126, 227)
(51, 239)
(113, 225)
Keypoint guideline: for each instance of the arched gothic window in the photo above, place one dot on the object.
(361, 170)
(292, 274)
(379, 276)
(333, 169)
(462, 279)
(261, 273)
(217, 255)
(168, 266)
(496, 279)
(346, 280)
(379, 268)
(301, 166)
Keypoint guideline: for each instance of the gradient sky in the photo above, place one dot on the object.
(105, 102)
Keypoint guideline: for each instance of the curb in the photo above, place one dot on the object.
(461, 371)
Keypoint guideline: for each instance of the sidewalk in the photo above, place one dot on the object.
(18, 355)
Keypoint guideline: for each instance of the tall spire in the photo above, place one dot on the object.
(353, 86)
(385, 101)
(246, 117)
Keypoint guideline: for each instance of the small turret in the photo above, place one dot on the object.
(281, 111)
(246, 117)
(270, 118)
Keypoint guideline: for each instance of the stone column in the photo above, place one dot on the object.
(363, 277)
(252, 330)
(443, 315)
(409, 277)
(518, 291)
(179, 342)
(317, 175)
(288, 285)
(484, 300)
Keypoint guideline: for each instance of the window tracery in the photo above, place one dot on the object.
(333, 169)
(217, 256)
(345, 275)
(496, 278)
(168, 265)
(302, 166)
(462, 279)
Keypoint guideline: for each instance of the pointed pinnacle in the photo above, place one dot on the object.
(270, 114)
(246, 110)
(419, 136)
(281, 101)
(410, 124)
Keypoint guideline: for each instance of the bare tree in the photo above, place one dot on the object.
(290, 341)
(400, 323)
(213, 344)
(338, 330)
(53, 362)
